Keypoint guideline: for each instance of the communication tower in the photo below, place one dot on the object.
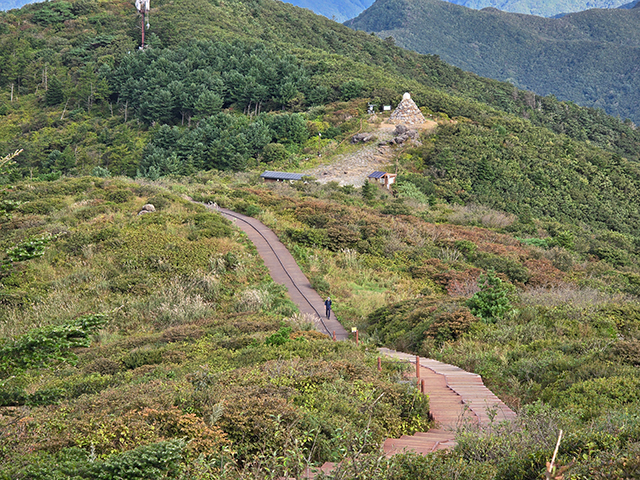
(143, 7)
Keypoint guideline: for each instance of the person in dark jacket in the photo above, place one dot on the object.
(327, 303)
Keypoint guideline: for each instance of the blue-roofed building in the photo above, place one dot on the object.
(384, 179)
(281, 176)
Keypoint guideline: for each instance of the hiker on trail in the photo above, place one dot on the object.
(327, 303)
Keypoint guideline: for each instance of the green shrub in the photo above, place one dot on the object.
(493, 301)
(161, 201)
(41, 207)
(595, 397)
(209, 225)
(319, 284)
(119, 196)
(369, 191)
(12, 397)
(280, 337)
(536, 242)
(101, 172)
(397, 207)
(466, 247)
(274, 152)
(139, 357)
(92, 211)
(158, 460)
(309, 237)
(44, 345)
(450, 326)
(351, 89)
(509, 266)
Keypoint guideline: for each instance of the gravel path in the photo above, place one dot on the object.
(353, 168)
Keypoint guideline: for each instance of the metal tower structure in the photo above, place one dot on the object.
(143, 7)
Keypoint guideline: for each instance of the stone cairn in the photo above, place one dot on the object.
(407, 112)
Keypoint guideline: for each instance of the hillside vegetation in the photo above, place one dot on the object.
(84, 97)
(155, 345)
(552, 328)
(589, 58)
(141, 344)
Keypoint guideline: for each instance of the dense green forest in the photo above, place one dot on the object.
(589, 57)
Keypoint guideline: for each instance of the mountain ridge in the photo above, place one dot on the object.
(588, 57)
(543, 9)
(338, 10)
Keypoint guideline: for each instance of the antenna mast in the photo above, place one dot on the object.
(143, 7)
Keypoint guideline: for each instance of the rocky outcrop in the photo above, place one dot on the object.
(148, 208)
(362, 138)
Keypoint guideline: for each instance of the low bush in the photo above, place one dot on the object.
(119, 196)
(142, 356)
(41, 207)
(42, 346)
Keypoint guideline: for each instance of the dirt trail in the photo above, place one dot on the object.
(353, 168)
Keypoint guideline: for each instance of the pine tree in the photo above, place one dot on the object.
(55, 94)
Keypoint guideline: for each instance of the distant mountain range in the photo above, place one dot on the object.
(634, 4)
(548, 8)
(341, 10)
(11, 4)
(338, 10)
(591, 58)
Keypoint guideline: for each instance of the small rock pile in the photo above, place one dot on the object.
(362, 138)
(402, 134)
(148, 208)
(407, 112)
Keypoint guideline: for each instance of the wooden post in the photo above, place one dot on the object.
(334, 336)
(423, 386)
(417, 366)
(379, 364)
(357, 338)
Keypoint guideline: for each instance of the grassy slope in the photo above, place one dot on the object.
(582, 57)
(188, 306)
(565, 356)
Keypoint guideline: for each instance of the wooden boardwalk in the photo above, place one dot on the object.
(285, 271)
(455, 395)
